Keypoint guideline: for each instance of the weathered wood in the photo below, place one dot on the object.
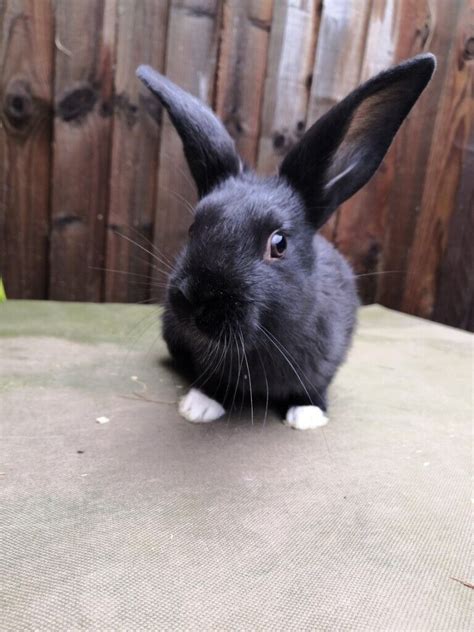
(392, 36)
(85, 33)
(141, 38)
(191, 56)
(291, 54)
(26, 60)
(454, 301)
(241, 71)
(443, 174)
(338, 62)
(434, 32)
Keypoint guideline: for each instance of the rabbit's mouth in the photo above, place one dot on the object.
(216, 314)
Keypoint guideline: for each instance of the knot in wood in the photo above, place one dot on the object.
(76, 103)
(18, 104)
(469, 48)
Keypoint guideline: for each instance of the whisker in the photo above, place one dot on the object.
(210, 369)
(264, 331)
(187, 203)
(230, 363)
(357, 276)
(152, 254)
(240, 361)
(266, 385)
(136, 274)
(293, 358)
(151, 244)
(248, 373)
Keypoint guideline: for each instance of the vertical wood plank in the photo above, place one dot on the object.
(443, 174)
(434, 24)
(85, 34)
(26, 60)
(290, 61)
(338, 62)
(241, 71)
(391, 36)
(141, 38)
(454, 303)
(191, 58)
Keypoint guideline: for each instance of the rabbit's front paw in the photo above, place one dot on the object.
(305, 417)
(199, 408)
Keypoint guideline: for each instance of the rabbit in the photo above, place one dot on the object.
(260, 308)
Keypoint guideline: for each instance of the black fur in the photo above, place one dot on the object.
(293, 316)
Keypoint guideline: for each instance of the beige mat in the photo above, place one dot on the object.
(147, 522)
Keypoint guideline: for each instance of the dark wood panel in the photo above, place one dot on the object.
(455, 292)
(393, 35)
(141, 39)
(26, 62)
(418, 134)
(443, 174)
(85, 35)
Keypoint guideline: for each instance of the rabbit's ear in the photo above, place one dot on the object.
(343, 149)
(208, 148)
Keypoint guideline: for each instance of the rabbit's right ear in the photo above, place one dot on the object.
(208, 148)
(343, 149)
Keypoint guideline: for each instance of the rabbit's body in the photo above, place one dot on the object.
(258, 307)
(296, 355)
(296, 330)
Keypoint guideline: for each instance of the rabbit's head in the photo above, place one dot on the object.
(250, 251)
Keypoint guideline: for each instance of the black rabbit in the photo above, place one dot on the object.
(258, 306)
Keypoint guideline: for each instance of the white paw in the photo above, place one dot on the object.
(305, 417)
(197, 407)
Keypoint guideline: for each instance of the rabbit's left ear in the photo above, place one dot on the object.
(208, 148)
(343, 149)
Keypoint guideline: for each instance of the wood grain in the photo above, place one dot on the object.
(338, 62)
(392, 35)
(141, 38)
(435, 25)
(454, 302)
(443, 174)
(26, 83)
(84, 57)
(291, 54)
(86, 152)
(191, 63)
(241, 71)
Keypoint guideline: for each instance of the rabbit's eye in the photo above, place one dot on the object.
(276, 245)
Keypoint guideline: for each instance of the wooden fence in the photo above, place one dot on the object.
(86, 153)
